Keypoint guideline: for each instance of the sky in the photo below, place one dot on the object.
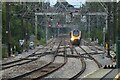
(75, 3)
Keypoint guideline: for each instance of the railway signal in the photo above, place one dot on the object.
(49, 25)
(59, 25)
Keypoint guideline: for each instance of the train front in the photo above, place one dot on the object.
(75, 37)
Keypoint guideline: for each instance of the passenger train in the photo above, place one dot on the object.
(75, 37)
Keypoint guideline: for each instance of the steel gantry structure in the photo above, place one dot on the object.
(56, 12)
(105, 28)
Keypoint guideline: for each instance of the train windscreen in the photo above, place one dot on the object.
(75, 33)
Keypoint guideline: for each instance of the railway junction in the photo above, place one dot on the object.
(59, 59)
(60, 41)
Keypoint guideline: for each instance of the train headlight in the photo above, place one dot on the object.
(72, 39)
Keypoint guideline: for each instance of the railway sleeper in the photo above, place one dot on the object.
(51, 66)
(11, 62)
(44, 70)
(61, 51)
(75, 56)
(17, 64)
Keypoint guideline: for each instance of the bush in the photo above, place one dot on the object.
(42, 41)
(99, 35)
(36, 41)
(4, 51)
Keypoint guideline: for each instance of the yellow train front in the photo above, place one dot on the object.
(75, 37)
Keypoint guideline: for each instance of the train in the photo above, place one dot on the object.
(75, 37)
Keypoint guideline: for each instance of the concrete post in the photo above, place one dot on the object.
(26, 35)
(104, 40)
(46, 34)
(36, 25)
(89, 26)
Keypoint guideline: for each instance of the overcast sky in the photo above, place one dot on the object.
(76, 3)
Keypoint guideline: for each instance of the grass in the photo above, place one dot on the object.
(43, 41)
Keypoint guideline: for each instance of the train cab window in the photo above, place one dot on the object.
(75, 33)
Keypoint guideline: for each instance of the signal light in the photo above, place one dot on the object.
(58, 25)
(49, 25)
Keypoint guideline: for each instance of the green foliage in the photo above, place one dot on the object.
(4, 52)
(17, 30)
(36, 41)
(99, 35)
(51, 32)
(42, 41)
(118, 27)
(84, 34)
(95, 7)
(3, 23)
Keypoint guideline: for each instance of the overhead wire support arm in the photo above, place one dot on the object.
(105, 7)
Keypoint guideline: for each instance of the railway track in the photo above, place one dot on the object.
(45, 70)
(48, 68)
(99, 65)
(90, 44)
(82, 68)
(26, 59)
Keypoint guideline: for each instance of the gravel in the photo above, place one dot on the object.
(72, 67)
(21, 69)
(80, 50)
(59, 60)
(69, 69)
(86, 48)
(103, 61)
(70, 53)
(18, 70)
(46, 58)
(99, 57)
(91, 67)
(24, 54)
(14, 71)
(17, 63)
(94, 49)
